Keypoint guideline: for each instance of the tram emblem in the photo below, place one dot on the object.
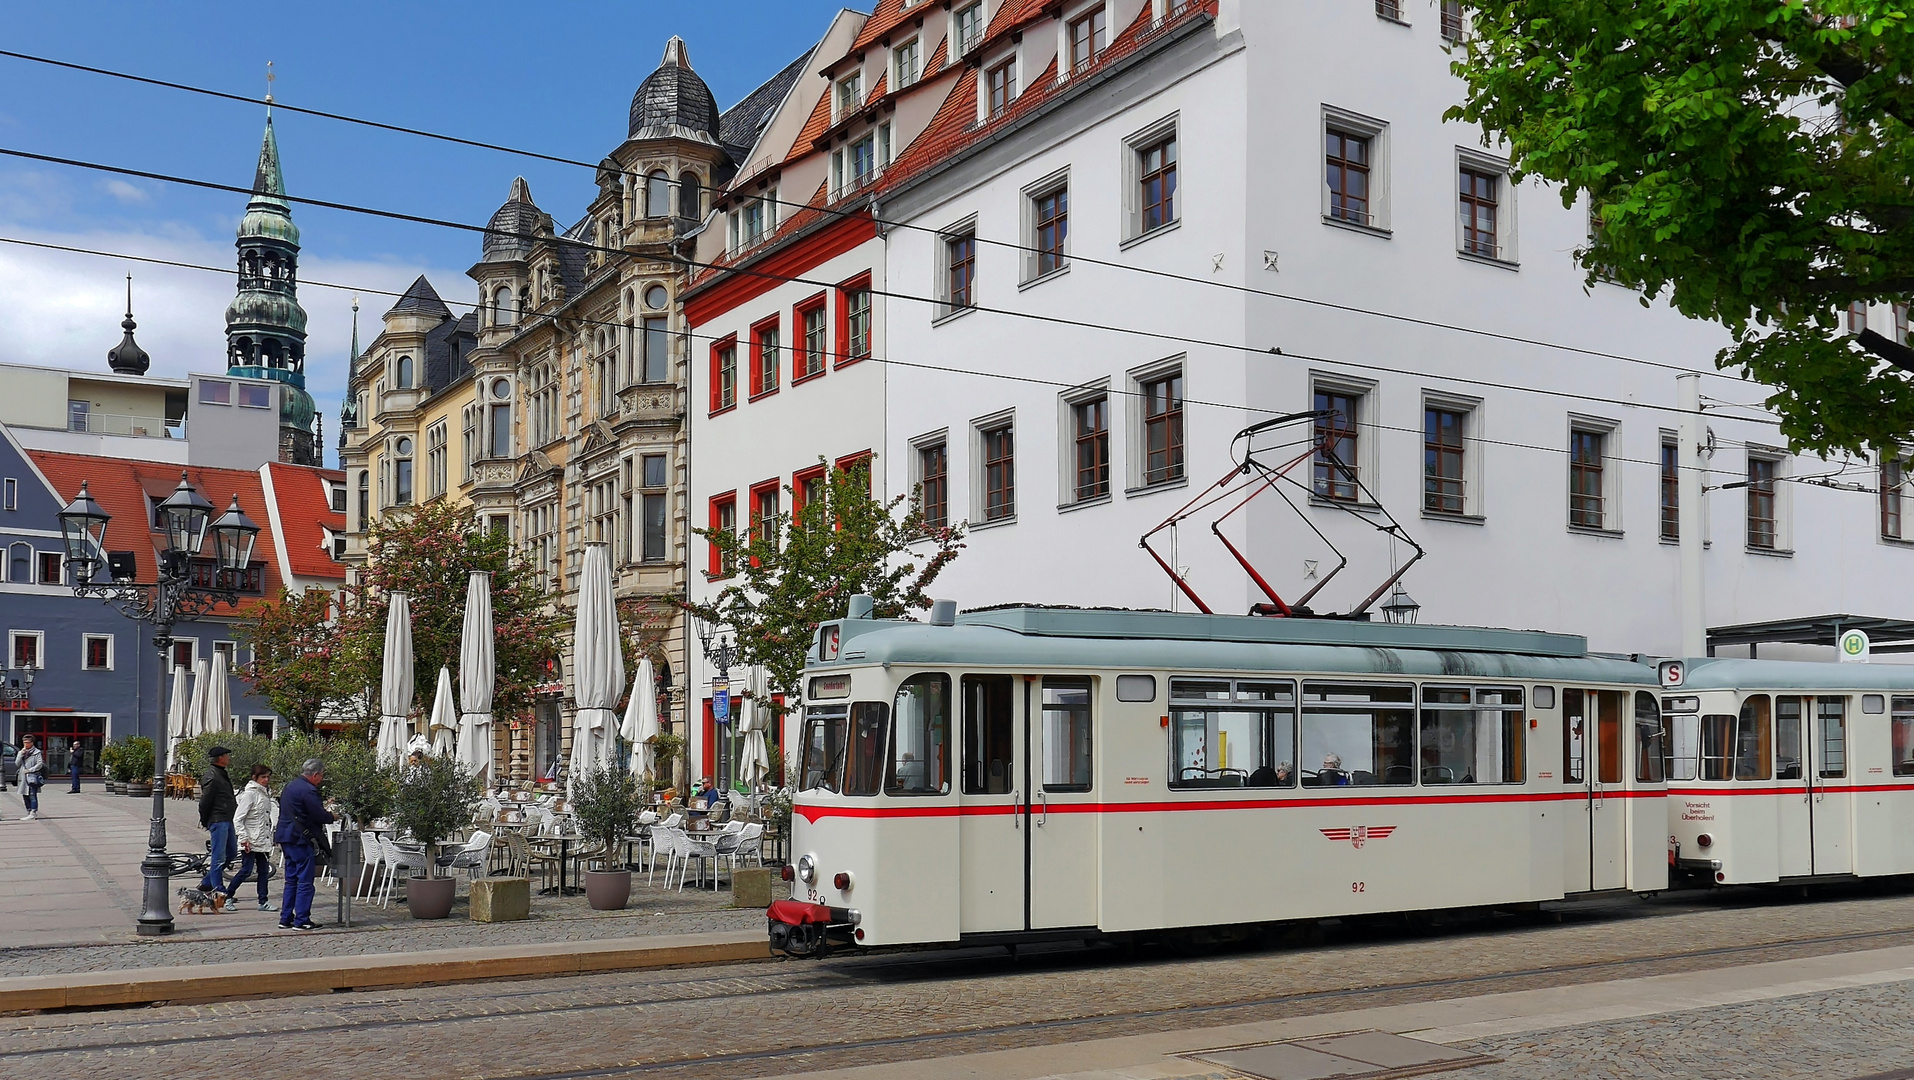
(1359, 835)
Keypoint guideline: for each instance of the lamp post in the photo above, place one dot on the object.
(176, 593)
(722, 655)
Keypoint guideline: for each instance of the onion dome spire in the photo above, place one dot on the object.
(128, 358)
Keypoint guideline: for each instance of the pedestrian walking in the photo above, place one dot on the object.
(301, 835)
(253, 826)
(73, 767)
(33, 774)
(216, 806)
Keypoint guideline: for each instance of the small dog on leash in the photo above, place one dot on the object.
(201, 901)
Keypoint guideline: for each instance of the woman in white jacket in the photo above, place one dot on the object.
(253, 822)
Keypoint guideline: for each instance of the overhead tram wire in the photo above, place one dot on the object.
(1055, 320)
(854, 212)
(1031, 380)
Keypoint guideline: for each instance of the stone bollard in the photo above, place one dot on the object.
(501, 899)
(751, 887)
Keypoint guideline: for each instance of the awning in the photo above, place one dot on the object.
(1884, 635)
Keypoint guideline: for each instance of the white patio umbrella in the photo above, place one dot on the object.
(219, 696)
(598, 664)
(641, 719)
(395, 683)
(478, 670)
(753, 759)
(179, 708)
(196, 708)
(444, 725)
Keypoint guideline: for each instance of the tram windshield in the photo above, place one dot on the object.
(920, 743)
(824, 730)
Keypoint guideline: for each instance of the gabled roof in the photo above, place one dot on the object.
(741, 124)
(421, 299)
(304, 514)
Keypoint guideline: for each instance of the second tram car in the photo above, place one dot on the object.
(1021, 773)
(1784, 772)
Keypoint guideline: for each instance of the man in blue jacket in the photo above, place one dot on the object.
(302, 821)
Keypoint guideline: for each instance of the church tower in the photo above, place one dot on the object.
(265, 326)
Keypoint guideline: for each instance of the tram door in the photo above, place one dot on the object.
(992, 829)
(1592, 762)
(1811, 750)
(1058, 772)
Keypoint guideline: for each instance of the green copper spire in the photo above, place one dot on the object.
(265, 326)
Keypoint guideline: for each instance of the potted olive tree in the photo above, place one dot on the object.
(110, 755)
(365, 789)
(435, 799)
(606, 801)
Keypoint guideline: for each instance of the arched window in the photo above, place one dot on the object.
(503, 310)
(405, 373)
(658, 195)
(402, 472)
(365, 499)
(689, 196)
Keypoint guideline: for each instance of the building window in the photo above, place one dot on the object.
(1000, 471)
(337, 545)
(435, 471)
(1000, 85)
(365, 501)
(1156, 180)
(860, 163)
(969, 28)
(850, 94)
(1389, 9)
(1336, 473)
(10, 494)
(813, 341)
(765, 346)
(658, 195)
(215, 392)
(1893, 491)
(1857, 317)
(76, 413)
(1444, 488)
(657, 349)
(402, 472)
(604, 509)
(724, 374)
(185, 652)
(1762, 503)
(1090, 421)
(1049, 238)
(1162, 429)
(27, 648)
(1587, 479)
(336, 496)
(1452, 21)
(1670, 490)
(49, 567)
(933, 484)
(960, 273)
(854, 311)
(807, 487)
(653, 507)
(1347, 161)
(764, 514)
(724, 519)
(403, 379)
(1089, 33)
(1478, 206)
(255, 396)
(468, 440)
(906, 62)
(96, 652)
(541, 528)
(544, 405)
(20, 564)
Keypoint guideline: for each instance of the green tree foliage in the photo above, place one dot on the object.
(1751, 160)
(798, 571)
(605, 803)
(295, 644)
(435, 800)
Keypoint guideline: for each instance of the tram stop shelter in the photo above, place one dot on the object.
(1884, 635)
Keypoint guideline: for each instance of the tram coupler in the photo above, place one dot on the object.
(808, 930)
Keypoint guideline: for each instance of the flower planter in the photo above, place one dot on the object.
(114, 787)
(608, 890)
(430, 898)
(139, 789)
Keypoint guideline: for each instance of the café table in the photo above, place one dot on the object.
(564, 864)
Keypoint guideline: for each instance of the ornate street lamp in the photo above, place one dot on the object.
(721, 655)
(1400, 607)
(185, 518)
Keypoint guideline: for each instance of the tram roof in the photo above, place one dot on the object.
(1149, 640)
(1724, 673)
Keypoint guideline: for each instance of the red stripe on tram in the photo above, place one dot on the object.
(814, 813)
(1793, 787)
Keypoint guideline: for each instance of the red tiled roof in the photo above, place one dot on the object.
(817, 125)
(878, 91)
(304, 515)
(937, 59)
(121, 488)
(1014, 15)
(890, 14)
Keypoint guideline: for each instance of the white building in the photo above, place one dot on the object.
(1228, 211)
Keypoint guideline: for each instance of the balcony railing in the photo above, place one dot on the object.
(144, 427)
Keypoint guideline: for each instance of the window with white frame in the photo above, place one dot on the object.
(544, 404)
(20, 563)
(435, 465)
(229, 650)
(1084, 421)
(906, 64)
(886, 145)
(1670, 486)
(1156, 444)
(499, 420)
(1895, 467)
(1767, 501)
(1000, 86)
(930, 477)
(185, 652)
(27, 648)
(51, 563)
(1452, 21)
(468, 440)
(994, 479)
(1047, 226)
(1390, 10)
(1152, 175)
(1355, 169)
(603, 496)
(1086, 34)
(541, 543)
(1344, 459)
(1485, 208)
(1451, 463)
(850, 94)
(957, 269)
(1594, 478)
(402, 471)
(96, 652)
(654, 504)
(967, 27)
(10, 494)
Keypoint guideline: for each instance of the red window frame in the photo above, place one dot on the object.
(758, 368)
(771, 489)
(714, 567)
(718, 404)
(805, 366)
(848, 351)
(850, 462)
(799, 480)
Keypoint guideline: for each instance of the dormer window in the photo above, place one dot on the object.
(850, 94)
(906, 63)
(1000, 84)
(1088, 35)
(967, 26)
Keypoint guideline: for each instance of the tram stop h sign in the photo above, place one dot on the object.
(1854, 647)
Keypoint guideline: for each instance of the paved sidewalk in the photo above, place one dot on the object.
(70, 896)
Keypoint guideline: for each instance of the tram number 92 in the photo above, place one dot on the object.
(1358, 886)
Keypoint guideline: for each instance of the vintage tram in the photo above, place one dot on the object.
(1025, 773)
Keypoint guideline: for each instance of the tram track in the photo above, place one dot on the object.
(666, 994)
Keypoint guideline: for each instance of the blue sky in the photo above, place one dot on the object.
(555, 77)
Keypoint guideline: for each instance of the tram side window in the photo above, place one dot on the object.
(1609, 744)
(1752, 740)
(989, 726)
(1787, 738)
(920, 742)
(1362, 734)
(1574, 745)
(1066, 734)
(1229, 735)
(824, 729)
(1832, 734)
(1472, 736)
(865, 767)
(1684, 746)
(1651, 740)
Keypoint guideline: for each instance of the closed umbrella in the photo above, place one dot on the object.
(179, 708)
(444, 725)
(598, 665)
(395, 683)
(219, 696)
(753, 760)
(641, 719)
(478, 670)
(196, 708)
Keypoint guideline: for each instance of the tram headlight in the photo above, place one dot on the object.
(807, 868)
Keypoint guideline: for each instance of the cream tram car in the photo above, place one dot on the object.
(1783, 772)
(1021, 773)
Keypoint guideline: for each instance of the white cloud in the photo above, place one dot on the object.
(125, 192)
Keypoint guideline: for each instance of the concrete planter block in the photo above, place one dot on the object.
(506, 899)
(751, 887)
